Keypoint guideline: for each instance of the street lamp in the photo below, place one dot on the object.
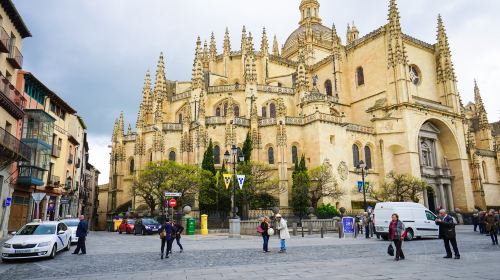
(236, 157)
(363, 168)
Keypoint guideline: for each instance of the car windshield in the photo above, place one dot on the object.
(71, 223)
(131, 222)
(149, 222)
(37, 230)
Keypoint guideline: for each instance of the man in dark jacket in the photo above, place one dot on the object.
(169, 237)
(178, 229)
(81, 233)
(447, 233)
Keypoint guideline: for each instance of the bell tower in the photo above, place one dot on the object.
(309, 10)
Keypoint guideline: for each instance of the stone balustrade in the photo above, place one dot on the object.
(181, 96)
(215, 120)
(172, 127)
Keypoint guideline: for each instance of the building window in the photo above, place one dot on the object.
(180, 118)
(236, 111)
(360, 76)
(294, 155)
(272, 110)
(217, 155)
(264, 112)
(415, 76)
(270, 155)
(225, 109)
(217, 112)
(485, 172)
(368, 157)
(171, 156)
(426, 154)
(355, 155)
(328, 87)
(308, 12)
(131, 166)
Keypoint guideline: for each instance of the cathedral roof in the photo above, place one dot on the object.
(320, 31)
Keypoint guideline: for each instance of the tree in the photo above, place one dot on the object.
(208, 198)
(258, 180)
(300, 187)
(400, 187)
(247, 148)
(208, 159)
(323, 184)
(150, 183)
(187, 180)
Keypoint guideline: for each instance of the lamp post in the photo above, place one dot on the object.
(235, 158)
(363, 168)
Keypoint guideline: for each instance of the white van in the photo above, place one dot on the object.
(418, 220)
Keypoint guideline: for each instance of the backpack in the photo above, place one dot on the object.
(259, 229)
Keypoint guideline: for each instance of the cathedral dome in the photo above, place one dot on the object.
(320, 33)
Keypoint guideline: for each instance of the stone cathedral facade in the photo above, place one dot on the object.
(386, 98)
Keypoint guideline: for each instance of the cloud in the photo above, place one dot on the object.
(99, 154)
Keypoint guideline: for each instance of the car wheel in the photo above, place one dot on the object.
(53, 253)
(67, 246)
(409, 234)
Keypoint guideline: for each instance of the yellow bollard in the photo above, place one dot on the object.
(204, 224)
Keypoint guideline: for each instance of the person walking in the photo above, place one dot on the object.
(178, 229)
(475, 219)
(491, 222)
(81, 232)
(366, 224)
(447, 233)
(264, 227)
(166, 236)
(284, 234)
(482, 228)
(396, 229)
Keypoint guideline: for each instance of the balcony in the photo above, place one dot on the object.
(11, 99)
(70, 159)
(53, 181)
(30, 175)
(56, 151)
(13, 149)
(4, 40)
(15, 57)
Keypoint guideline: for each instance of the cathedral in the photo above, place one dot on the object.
(383, 97)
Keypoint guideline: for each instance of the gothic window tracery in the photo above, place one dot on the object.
(355, 155)
(272, 110)
(217, 112)
(415, 76)
(171, 156)
(360, 76)
(368, 157)
(264, 112)
(270, 155)
(294, 155)
(180, 118)
(236, 111)
(131, 166)
(217, 154)
(328, 87)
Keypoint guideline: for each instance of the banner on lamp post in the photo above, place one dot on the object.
(227, 179)
(241, 180)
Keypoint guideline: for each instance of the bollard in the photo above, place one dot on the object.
(310, 228)
(322, 231)
(302, 227)
(294, 226)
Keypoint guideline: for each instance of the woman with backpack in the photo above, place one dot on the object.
(263, 229)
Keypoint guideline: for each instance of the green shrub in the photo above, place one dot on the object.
(263, 201)
(327, 211)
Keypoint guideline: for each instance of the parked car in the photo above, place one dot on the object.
(146, 226)
(418, 220)
(126, 226)
(72, 225)
(37, 240)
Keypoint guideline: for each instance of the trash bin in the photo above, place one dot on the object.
(204, 224)
(190, 230)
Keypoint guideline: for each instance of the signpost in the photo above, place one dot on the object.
(172, 202)
(173, 194)
(8, 201)
(37, 197)
(348, 225)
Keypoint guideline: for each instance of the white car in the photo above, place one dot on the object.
(37, 240)
(72, 225)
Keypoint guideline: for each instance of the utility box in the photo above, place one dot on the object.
(204, 224)
(191, 226)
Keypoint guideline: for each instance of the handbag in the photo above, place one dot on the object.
(163, 234)
(270, 231)
(259, 229)
(390, 250)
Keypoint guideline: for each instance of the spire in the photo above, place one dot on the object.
(227, 43)
(480, 110)
(264, 45)
(121, 125)
(129, 130)
(146, 93)
(250, 65)
(302, 80)
(276, 50)
(249, 43)
(205, 55)
(198, 51)
(336, 44)
(243, 40)
(309, 10)
(160, 88)
(213, 48)
(396, 49)
(445, 68)
(197, 77)
(115, 131)
(301, 51)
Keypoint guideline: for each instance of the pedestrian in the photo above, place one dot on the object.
(491, 222)
(366, 224)
(264, 227)
(358, 222)
(166, 236)
(81, 232)
(178, 229)
(396, 230)
(482, 229)
(284, 234)
(475, 219)
(447, 232)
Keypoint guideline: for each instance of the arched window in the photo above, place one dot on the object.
(308, 12)
(485, 172)
(368, 157)
(294, 155)
(328, 87)
(272, 110)
(171, 156)
(264, 112)
(217, 112)
(270, 155)
(360, 76)
(217, 154)
(131, 167)
(180, 118)
(236, 111)
(355, 155)
(225, 109)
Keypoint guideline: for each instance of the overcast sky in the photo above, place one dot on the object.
(94, 53)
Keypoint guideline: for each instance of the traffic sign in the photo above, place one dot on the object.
(37, 197)
(360, 186)
(173, 194)
(173, 203)
(8, 201)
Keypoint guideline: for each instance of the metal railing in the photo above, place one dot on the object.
(4, 40)
(11, 99)
(21, 151)
(15, 57)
